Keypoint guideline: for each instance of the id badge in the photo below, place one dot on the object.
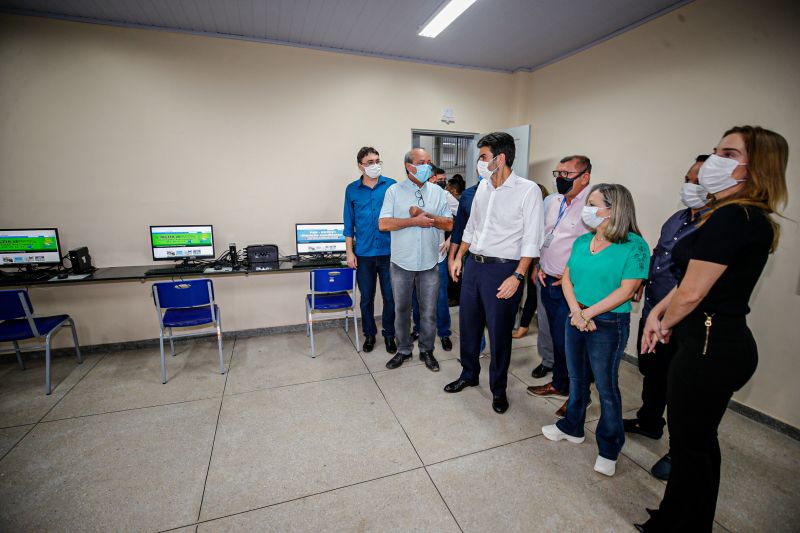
(547, 240)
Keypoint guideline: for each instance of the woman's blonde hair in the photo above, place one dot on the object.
(768, 156)
(623, 211)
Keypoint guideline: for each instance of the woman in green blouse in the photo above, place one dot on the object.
(604, 271)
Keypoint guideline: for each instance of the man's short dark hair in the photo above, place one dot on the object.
(365, 151)
(701, 158)
(438, 170)
(582, 161)
(456, 184)
(460, 178)
(499, 142)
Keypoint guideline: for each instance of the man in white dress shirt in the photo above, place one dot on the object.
(503, 235)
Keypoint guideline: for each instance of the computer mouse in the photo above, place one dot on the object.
(63, 275)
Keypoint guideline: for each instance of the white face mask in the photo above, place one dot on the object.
(483, 169)
(590, 217)
(715, 174)
(693, 195)
(373, 171)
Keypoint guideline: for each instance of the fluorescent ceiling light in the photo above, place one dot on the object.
(449, 12)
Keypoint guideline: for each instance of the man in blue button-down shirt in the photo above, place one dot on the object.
(414, 210)
(368, 248)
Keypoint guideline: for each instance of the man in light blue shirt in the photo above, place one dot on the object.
(414, 211)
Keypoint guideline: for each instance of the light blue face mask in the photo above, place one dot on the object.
(424, 172)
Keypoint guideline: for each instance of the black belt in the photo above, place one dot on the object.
(487, 259)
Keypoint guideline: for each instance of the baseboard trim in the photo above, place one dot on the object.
(735, 406)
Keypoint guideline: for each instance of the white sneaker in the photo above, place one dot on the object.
(553, 433)
(605, 466)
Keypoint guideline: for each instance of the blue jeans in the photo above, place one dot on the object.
(370, 268)
(557, 315)
(442, 308)
(598, 352)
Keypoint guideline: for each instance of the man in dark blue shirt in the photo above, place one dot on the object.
(661, 280)
(368, 248)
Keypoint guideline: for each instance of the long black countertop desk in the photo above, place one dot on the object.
(137, 273)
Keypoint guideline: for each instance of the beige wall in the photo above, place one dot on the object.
(107, 130)
(643, 104)
(104, 131)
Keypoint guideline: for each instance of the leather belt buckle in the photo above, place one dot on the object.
(479, 258)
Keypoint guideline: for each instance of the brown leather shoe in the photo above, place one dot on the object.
(546, 390)
(562, 411)
(519, 333)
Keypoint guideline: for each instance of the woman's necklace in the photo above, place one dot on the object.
(597, 244)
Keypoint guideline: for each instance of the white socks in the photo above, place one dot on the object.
(605, 466)
(553, 433)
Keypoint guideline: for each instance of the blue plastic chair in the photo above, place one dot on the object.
(186, 304)
(332, 290)
(20, 323)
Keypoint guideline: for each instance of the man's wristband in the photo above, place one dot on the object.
(520, 277)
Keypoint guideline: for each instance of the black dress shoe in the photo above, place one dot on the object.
(540, 371)
(397, 360)
(662, 469)
(634, 425)
(430, 361)
(447, 344)
(460, 384)
(369, 343)
(500, 404)
(391, 345)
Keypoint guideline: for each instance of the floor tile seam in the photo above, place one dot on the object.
(2, 457)
(447, 505)
(490, 448)
(289, 385)
(216, 428)
(290, 500)
(88, 415)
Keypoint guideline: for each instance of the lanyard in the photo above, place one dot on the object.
(562, 209)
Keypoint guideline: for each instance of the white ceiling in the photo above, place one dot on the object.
(504, 35)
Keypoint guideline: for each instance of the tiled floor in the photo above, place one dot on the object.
(283, 442)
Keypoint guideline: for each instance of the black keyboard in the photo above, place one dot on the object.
(319, 262)
(22, 277)
(176, 270)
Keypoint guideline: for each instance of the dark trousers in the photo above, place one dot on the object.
(370, 269)
(654, 367)
(529, 307)
(481, 308)
(597, 354)
(557, 315)
(698, 390)
(426, 283)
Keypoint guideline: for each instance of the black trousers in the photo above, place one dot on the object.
(698, 390)
(529, 307)
(480, 307)
(654, 367)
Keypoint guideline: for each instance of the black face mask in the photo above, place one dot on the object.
(564, 185)
(442, 184)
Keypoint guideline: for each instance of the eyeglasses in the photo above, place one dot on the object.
(565, 174)
(368, 163)
(420, 201)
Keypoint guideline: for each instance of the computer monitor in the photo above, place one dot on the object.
(320, 239)
(182, 243)
(29, 247)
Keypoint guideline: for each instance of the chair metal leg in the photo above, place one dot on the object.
(219, 343)
(47, 376)
(163, 362)
(171, 343)
(75, 340)
(308, 330)
(355, 330)
(311, 336)
(346, 321)
(19, 355)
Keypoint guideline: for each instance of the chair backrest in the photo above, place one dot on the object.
(190, 293)
(332, 280)
(12, 306)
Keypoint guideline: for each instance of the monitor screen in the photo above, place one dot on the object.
(320, 239)
(24, 247)
(176, 243)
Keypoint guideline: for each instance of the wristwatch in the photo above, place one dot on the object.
(519, 276)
